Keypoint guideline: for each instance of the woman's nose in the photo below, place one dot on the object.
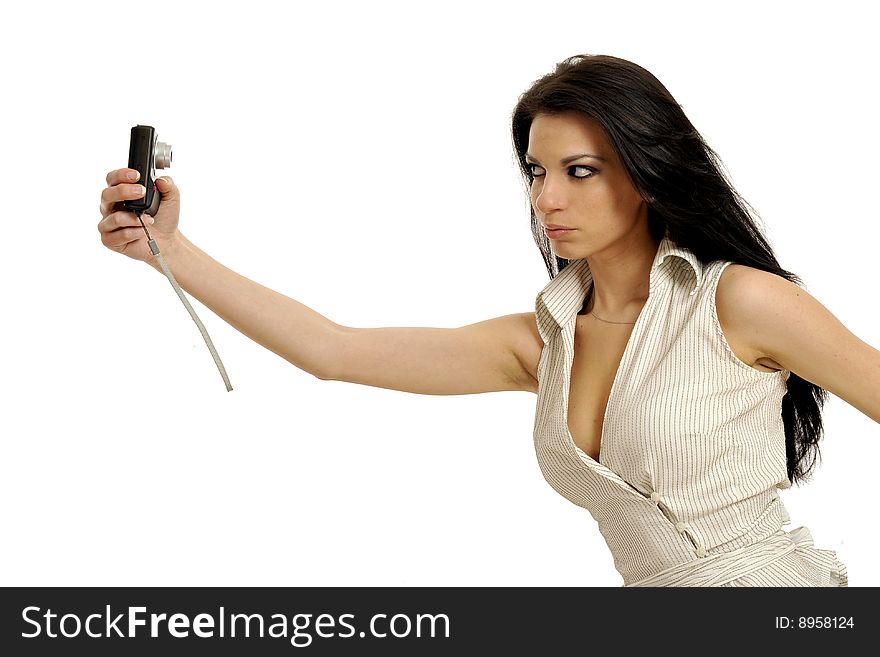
(550, 196)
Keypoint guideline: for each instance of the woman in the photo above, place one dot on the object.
(679, 370)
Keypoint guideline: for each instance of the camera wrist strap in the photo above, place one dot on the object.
(154, 249)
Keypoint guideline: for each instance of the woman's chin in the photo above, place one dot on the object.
(565, 251)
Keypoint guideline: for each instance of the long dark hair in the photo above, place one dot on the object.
(689, 195)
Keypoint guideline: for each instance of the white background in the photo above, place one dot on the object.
(357, 157)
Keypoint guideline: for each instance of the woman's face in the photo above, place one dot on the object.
(593, 196)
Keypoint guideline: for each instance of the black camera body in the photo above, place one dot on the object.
(146, 154)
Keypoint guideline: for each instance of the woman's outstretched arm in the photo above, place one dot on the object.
(476, 358)
(298, 334)
(783, 322)
(493, 355)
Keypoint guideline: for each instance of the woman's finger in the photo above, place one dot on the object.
(111, 196)
(122, 175)
(117, 220)
(117, 239)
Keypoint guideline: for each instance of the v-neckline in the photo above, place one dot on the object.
(569, 361)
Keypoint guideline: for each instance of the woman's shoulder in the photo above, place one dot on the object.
(742, 296)
(741, 284)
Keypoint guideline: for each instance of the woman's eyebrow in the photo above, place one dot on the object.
(571, 158)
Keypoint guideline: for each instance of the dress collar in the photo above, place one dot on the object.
(564, 295)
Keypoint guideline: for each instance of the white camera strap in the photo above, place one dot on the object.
(154, 249)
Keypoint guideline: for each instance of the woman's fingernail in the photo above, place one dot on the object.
(134, 175)
(152, 220)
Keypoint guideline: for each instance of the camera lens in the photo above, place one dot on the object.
(163, 155)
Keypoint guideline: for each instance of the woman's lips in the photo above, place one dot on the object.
(558, 232)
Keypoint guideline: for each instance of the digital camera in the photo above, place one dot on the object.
(146, 154)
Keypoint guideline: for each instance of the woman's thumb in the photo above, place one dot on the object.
(167, 187)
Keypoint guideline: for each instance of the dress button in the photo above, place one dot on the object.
(702, 552)
(680, 527)
(655, 496)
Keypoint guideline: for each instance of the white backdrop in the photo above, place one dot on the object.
(343, 154)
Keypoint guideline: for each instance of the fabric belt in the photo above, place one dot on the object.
(720, 568)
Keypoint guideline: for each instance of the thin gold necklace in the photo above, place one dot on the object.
(597, 316)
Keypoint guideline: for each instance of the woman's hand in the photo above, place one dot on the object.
(120, 228)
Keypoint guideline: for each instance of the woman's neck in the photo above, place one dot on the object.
(621, 277)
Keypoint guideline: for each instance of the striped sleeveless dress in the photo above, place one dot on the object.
(685, 491)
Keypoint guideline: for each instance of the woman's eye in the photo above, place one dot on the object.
(581, 174)
(576, 171)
